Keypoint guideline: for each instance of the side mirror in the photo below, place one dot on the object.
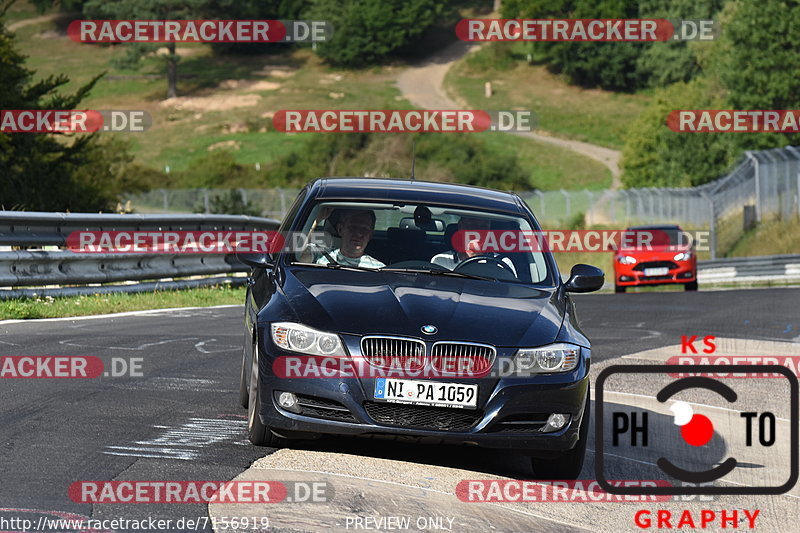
(585, 278)
(256, 260)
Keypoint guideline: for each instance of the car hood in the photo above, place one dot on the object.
(359, 303)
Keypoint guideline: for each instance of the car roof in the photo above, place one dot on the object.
(414, 191)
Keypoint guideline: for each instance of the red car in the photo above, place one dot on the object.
(666, 260)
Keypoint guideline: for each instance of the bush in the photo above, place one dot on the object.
(365, 32)
(229, 203)
(655, 156)
(216, 169)
(617, 66)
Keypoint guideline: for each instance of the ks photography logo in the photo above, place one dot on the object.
(696, 448)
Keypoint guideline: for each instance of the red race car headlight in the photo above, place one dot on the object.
(626, 259)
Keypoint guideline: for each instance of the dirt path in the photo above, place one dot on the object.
(36, 20)
(423, 86)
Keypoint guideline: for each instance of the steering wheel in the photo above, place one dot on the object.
(489, 258)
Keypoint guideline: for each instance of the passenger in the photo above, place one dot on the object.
(355, 227)
(451, 258)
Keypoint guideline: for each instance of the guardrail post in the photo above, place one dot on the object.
(757, 174)
(712, 226)
(166, 199)
(590, 209)
(541, 213)
(206, 203)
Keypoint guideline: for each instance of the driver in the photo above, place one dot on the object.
(451, 258)
(355, 227)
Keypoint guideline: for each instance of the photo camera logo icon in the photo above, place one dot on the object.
(695, 448)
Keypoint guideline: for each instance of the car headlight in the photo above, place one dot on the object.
(559, 357)
(626, 259)
(683, 256)
(302, 339)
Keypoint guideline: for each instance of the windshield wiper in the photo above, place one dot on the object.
(336, 266)
(438, 273)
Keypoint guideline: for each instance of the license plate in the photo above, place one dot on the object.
(662, 271)
(426, 393)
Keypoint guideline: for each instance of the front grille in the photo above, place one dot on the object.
(422, 417)
(394, 352)
(462, 358)
(656, 264)
(324, 408)
(657, 278)
(528, 428)
(527, 424)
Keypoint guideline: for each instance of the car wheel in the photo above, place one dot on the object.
(258, 433)
(244, 392)
(691, 286)
(619, 288)
(569, 464)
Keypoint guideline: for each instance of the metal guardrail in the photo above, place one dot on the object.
(29, 268)
(35, 228)
(770, 268)
(63, 268)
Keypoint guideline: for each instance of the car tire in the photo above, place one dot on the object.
(244, 392)
(257, 432)
(691, 286)
(619, 288)
(569, 464)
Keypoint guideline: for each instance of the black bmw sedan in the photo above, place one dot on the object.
(389, 312)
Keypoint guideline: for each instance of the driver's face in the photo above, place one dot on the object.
(356, 231)
(470, 223)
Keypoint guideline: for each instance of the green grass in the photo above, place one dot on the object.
(551, 167)
(769, 238)
(590, 115)
(47, 307)
(177, 137)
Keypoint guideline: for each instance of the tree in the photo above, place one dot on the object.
(757, 60)
(655, 156)
(617, 66)
(609, 65)
(148, 10)
(663, 63)
(365, 32)
(51, 171)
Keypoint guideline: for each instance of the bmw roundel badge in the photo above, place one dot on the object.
(429, 329)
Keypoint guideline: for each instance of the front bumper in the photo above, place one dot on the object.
(511, 410)
(629, 276)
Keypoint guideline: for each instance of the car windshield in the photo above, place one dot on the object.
(435, 240)
(658, 235)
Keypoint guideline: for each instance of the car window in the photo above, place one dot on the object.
(426, 238)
